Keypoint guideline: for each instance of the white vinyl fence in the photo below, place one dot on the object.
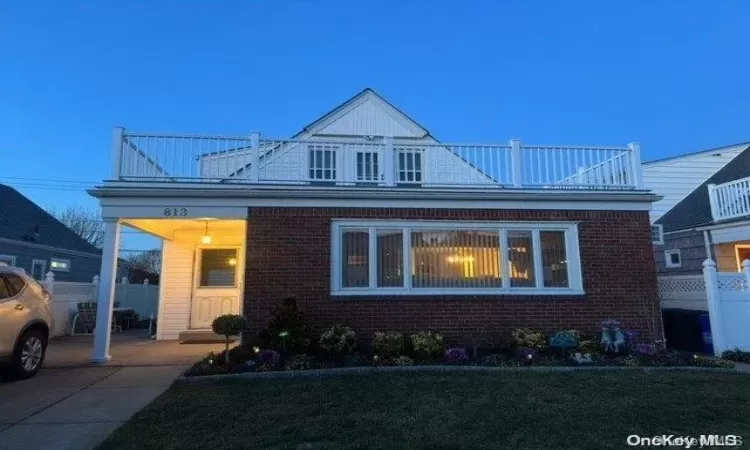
(728, 307)
(726, 297)
(143, 298)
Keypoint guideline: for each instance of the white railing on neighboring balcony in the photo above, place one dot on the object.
(371, 162)
(730, 200)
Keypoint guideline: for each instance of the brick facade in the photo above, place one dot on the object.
(289, 251)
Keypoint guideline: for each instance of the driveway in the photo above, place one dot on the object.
(71, 404)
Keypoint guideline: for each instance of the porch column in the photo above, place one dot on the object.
(106, 293)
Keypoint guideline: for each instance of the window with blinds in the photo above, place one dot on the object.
(432, 257)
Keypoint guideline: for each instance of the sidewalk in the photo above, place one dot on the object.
(76, 408)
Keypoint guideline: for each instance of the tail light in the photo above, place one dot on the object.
(45, 294)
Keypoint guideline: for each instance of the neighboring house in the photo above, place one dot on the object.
(34, 240)
(674, 178)
(713, 221)
(368, 220)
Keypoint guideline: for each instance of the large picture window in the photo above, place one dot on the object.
(432, 257)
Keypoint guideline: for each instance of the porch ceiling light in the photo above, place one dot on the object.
(206, 238)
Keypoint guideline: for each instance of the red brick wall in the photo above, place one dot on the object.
(289, 250)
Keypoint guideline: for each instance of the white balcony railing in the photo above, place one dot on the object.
(730, 200)
(371, 162)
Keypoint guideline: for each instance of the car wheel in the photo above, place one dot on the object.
(28, 355)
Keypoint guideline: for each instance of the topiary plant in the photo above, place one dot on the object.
(228, 325)
(338, 340)
(528, 338)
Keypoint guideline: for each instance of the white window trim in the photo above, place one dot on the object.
(60, 260)
(12, 259)
(571, 247)
(668, 260)
(43, 262)
(660, 241)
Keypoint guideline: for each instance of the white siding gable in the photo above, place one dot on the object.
(370, 116)
(675, 178)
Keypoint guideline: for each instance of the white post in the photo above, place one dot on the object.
(746, 273)
(389, 163)
(714, 306)
(145, 281)
(49, 282)
(712, 201)
(516, 165)
(106, 293)
(117, 152)
(254, 155)
(635, 167)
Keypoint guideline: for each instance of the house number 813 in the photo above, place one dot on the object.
(175, 212)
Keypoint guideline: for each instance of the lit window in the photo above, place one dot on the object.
(471, 257)
(218, 267)
(59, 265)
(657, 234)
(673, 259)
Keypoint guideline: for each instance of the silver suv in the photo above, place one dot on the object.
(25, 323)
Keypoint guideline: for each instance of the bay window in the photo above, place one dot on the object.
(434, 257)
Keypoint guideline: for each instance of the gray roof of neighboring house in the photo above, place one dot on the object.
(695, 209)
(22, 220)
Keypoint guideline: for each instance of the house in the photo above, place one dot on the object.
(369, 220)
(713, 221)
(32, 239)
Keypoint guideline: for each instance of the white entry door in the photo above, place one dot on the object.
(217, 286)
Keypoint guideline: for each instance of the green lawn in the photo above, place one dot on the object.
(578, 410)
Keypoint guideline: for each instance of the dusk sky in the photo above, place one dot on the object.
(672, 75)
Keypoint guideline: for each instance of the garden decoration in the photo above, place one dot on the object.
(564, 340)
(613, 339)
(583, 358)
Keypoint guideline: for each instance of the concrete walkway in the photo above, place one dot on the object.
(76, 408)
(132, 348)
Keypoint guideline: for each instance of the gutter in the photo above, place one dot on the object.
(343, 192)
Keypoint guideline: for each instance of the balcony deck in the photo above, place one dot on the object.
(371, 162)
(730, 200)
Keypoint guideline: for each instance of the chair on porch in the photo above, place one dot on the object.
(87, 313)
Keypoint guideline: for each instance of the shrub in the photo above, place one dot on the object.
(403, 361)
(587, 343)
(228, 325)
(670, 358)
(456, 355)
(526, 337)
(737, 355)
(706, 361)
(300, 362)
(427, 345)
(387, 344)
(269, 360)
(287, 326)
(338, 340)
(500, 360)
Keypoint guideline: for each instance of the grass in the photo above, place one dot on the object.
(581, 410)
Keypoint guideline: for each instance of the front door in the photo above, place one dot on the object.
(743, 253)
(217, 285)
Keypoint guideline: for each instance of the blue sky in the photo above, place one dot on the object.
(670, 74)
